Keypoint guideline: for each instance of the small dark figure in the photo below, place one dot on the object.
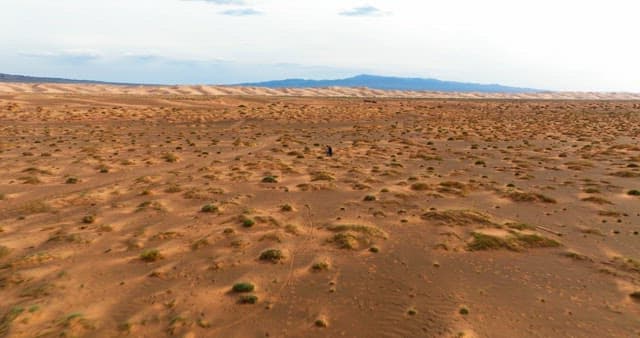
(329, 151)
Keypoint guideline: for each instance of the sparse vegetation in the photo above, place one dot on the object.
(150, 255)
(518, 196)
(272, 255)
(4, 251)
(596, 200)
(88, 219)
(248, 222)
(457, 217)
(210, 208)
(248, 299)
(286, 208)
(419, 186)
(633, 192)
(514, 242)
(169, 157)
(243, 287)
(269, 179)
(320, 266)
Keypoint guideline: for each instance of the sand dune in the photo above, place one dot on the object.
(15, 88)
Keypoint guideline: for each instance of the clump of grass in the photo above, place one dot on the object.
(320, 323)
(202, 242)
(520, 226)
(292, 229)
(269, 179)
(150, 255)
(627, 174)
(30, 180)
(209, 208)
(364, 229)
(248, 299)
(321, 176)
(4, 251)
(37, 291)
(514, 242)
(518, 196)
(535, 241)
(154, 205)
(169, 157)
(272, 255)
(346, 240)
(88, 219)
(464, 311)
(71, 180)
(633, 192)
(243, 287)
(591, 191)
(320, 266)
(286, 208)
(596, 200)
(457, 217)
(172, 189)
(8, 318)
(248, 222)
(576, 256)
(419, 186)
(486, 242)
(369, 198)
(635, 295)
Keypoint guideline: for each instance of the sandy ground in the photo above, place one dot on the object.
(139, 214)
(46, 88)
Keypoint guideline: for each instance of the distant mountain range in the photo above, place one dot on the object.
(394, 83)
(35, 79)
(369, 81)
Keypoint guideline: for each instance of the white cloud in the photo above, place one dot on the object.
(546, 44)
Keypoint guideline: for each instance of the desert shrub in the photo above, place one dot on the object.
(269, 179)
(286, 208)
(209, 208)
(419, 186)
(320, 266)
(272, 255)
(633, 192)
(248, 299)
(150, 255)
(169, 157)
(243, 287)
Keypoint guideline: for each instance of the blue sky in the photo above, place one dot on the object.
(562, 45)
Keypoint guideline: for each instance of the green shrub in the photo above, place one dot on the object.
(243, 287)
(272, 255)
(269, 179)
(633, 192)
(150, 255)
(209, 208)
(248, 299)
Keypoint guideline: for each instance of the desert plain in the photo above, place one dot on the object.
(152, 213)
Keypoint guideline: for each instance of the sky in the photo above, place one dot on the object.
(547, 44)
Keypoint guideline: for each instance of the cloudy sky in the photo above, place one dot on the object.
(549, 44)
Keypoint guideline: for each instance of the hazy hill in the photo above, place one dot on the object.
(393, 83)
